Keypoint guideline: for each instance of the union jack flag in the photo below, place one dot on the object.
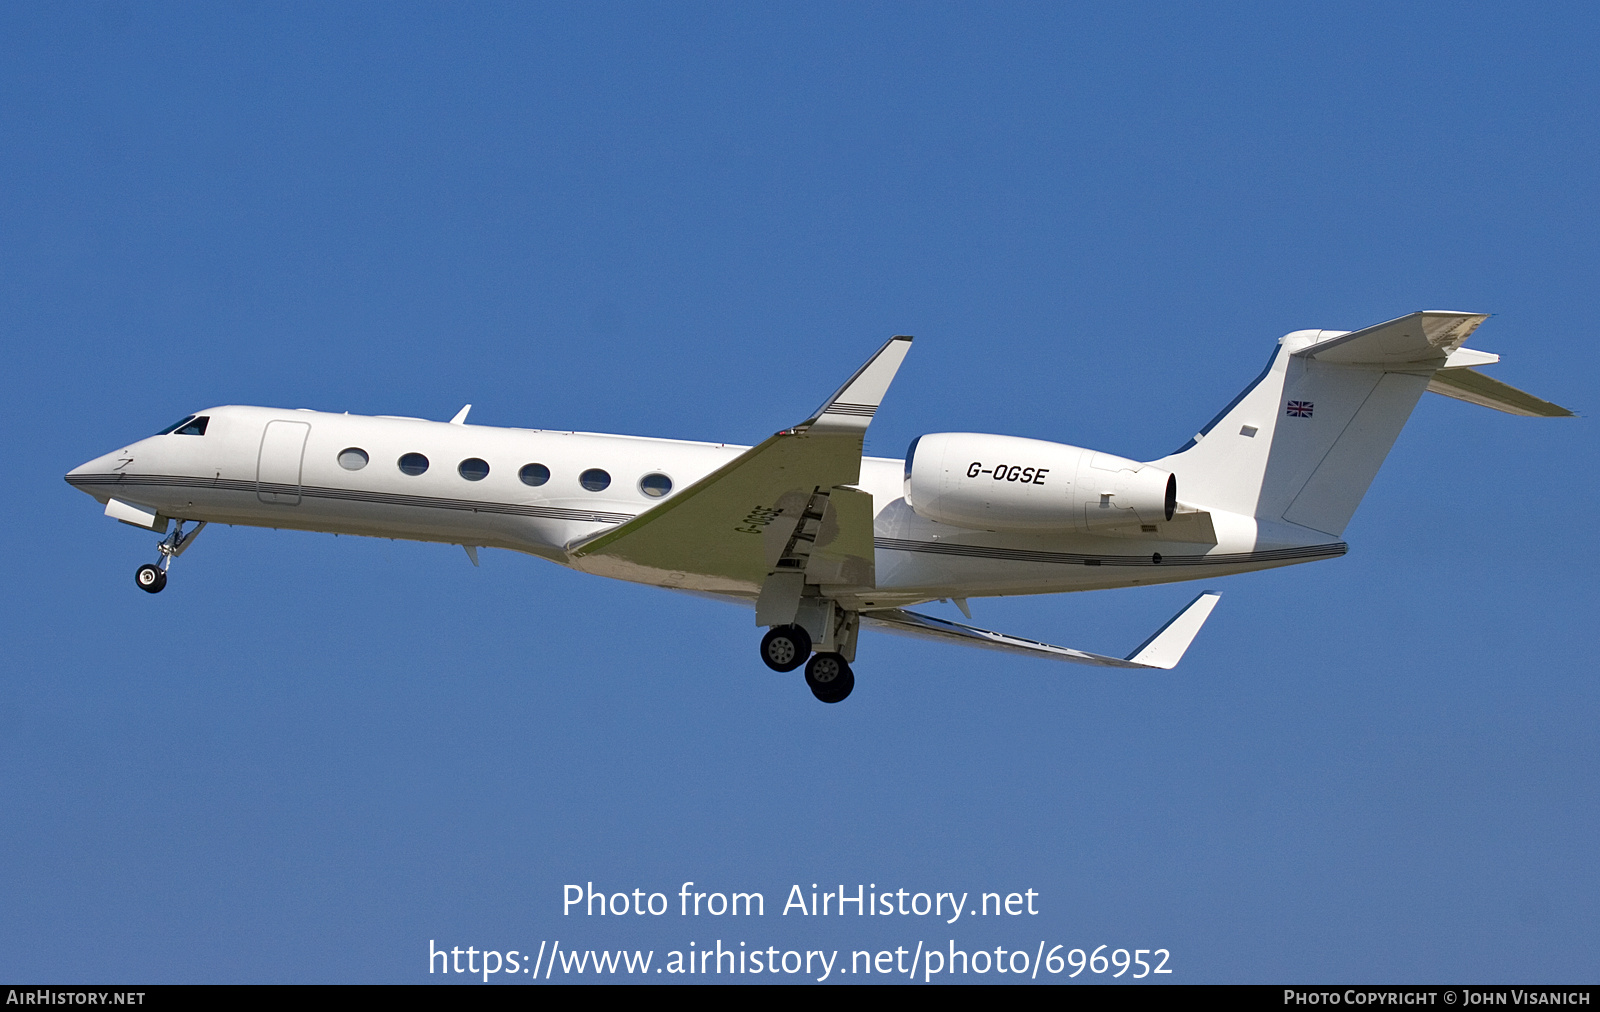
(1299, 409)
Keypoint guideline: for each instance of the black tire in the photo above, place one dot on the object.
(785, 647)
(830, 678)
(150, 578)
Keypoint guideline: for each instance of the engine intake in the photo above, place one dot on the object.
(1008, 483)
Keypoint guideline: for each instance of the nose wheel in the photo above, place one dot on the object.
(152, 577)
(829, 677)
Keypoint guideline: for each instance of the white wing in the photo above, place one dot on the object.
(716, 530)
(1163, 650)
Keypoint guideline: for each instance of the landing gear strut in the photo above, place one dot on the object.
(829, 677)
(152, 578)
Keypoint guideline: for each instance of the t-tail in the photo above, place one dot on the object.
(1303, 442)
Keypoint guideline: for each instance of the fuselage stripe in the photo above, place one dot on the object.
(134, 481)
(1326, 551)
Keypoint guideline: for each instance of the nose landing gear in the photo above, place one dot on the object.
(151, 578)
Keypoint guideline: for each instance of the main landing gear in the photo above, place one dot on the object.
(828, 675)
(152, 577)
(785, 647)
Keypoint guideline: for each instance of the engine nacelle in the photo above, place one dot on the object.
(1007, 483)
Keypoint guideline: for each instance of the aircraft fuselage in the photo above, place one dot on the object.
(539, 491)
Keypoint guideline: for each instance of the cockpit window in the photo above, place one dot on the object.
(175, 426)
(197, 427)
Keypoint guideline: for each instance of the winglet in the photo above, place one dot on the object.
(1165, 649)
(461, 416)
(853, 406)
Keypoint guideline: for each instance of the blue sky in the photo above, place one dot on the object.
(311, 755)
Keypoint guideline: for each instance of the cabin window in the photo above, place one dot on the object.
(473, 469)
(175, 426)
(352, 458)
(413, 463)
(534, 474)
(595, 480)
(193, 427)
(655, 485)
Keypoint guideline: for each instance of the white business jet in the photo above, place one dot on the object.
(817, 537)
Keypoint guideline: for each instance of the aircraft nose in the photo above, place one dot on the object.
(85, 475)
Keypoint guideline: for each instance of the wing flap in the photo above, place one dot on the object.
(843, 554)
(1163, 650)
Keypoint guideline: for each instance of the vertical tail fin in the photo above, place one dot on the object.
(1304, 441)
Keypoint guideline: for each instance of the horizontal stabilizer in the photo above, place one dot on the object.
(1475, 388)
(1427, 337)
(1163, 650)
